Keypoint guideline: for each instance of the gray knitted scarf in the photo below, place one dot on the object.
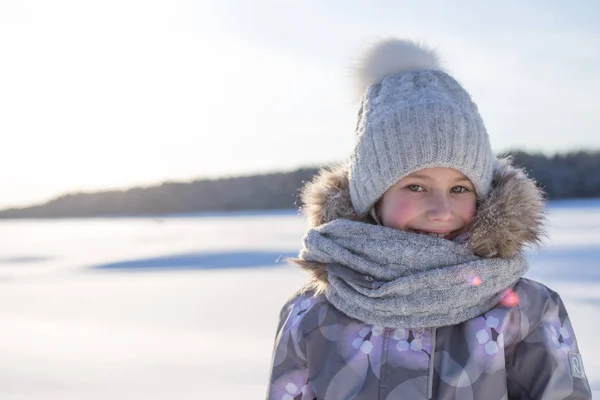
(392, 278)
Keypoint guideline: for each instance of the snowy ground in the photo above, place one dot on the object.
(186, 307)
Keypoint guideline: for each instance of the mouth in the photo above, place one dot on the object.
(444, 235)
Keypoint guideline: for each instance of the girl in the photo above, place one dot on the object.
(416, 256)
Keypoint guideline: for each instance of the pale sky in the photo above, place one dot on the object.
(109, 94)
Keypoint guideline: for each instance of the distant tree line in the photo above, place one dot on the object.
(572, 175)
(258, 192)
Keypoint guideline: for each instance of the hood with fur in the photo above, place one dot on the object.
(509, 219)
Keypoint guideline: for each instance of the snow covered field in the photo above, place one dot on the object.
(186, 307)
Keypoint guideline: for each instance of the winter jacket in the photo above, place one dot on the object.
(524, 348)
(527, 351)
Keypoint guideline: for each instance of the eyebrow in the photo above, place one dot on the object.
(427, 177)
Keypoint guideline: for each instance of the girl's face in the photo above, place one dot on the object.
(439, 201)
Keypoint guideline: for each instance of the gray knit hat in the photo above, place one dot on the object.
(413, 116)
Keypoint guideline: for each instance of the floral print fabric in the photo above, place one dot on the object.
(520, 351)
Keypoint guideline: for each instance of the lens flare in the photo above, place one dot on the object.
(510, 298)
(475, 280)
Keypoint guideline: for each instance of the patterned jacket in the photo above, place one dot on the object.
(527, 351)
(522, 349)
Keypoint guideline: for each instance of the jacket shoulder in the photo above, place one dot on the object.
(299, 309)
(533, 293)
(545, 360)
(533, 286)
(538, 304)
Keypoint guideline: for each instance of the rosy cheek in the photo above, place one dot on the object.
(398, 212)
(467, 210)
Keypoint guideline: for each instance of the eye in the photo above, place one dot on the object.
(459, 189)
(415, 188)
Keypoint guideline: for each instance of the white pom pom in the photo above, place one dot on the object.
(392, 56)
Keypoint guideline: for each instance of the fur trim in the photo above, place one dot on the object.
(509, 219)
(327, 197)
(389, 57)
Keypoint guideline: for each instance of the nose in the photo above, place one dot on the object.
(439, 208)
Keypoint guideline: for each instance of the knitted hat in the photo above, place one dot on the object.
(413, 116)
